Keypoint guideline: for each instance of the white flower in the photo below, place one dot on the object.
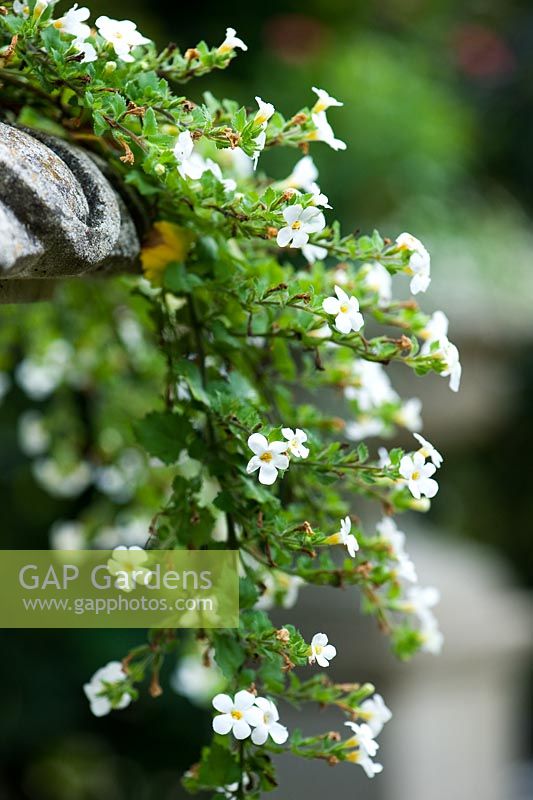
(236, 715)
(33, 437)
(370, 767)
(345, 537)
(374, 387)
(190, 164)
(73, 22)
(196, 681)
(122, 34)
(269, 725)
(324, 132)
(321, 651)
(375, 713)
(419, 262)
(228, 183)
(388, 530)
(300, 223)
(313, 252)
(59, 483)
(436, 330)
(231, 42)
(101, 684)
(378, 279)
(304, 175)
(418, 476)
(346, 309)
(267, 458)
(323, 332)
(409, 415)
(89, 52)
(384, 458)
(231, 790)
(428, 451)
(67, 536)
(421, 601)
(265, 111)
(126, 564)
(364, 427)
(296, 441)
(21, 7)
(280, 589)
(363, 738)
(324, 101)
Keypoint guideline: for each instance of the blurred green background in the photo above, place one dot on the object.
(438, 119)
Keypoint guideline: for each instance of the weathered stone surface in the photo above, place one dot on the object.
(59, 215)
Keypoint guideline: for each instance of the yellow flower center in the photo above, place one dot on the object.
(344, 308)
(267, 457)
(236, 714)
(415, 476)
(58, 24)
(353, 756)
(225, 48)
(318, 649)
(296, 225)
(319, 106)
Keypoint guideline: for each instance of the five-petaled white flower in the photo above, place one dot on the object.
(419, 262)
(73, 22)
(300, 223)
(346, 310)
(122, 34)
(324, 132)
(375, 713)
(345, 537)
(126, 565)
(321, 651)
(267, 458)
(236, 715)
(104, 681)
(269, 725)
(418, 476)
(324, 101)
(296, 441)
(231, 42)
(428, 451)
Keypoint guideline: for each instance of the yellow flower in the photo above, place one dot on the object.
(164, 244)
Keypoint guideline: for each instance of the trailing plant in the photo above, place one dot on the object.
(255, 316)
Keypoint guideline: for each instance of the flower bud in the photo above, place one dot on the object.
(283, 635)
(160, 169)
(110, 67)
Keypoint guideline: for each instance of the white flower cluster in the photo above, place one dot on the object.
(244, 712)
(376, 714)
(270, 457)
(106, 690)
(419, 600)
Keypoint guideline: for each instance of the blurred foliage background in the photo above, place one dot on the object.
(438, 118)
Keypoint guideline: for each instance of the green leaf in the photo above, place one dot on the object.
(164, 435)
(229, 654)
